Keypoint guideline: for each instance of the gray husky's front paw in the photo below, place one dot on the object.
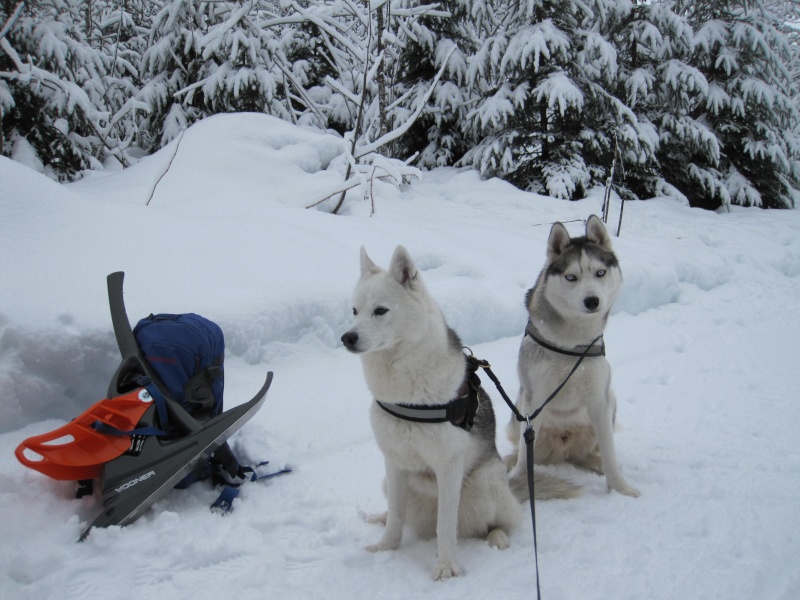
(383, 546)
(498, 538)
(446, 570)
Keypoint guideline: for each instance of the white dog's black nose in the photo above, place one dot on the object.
(350, 340)
(591, 302)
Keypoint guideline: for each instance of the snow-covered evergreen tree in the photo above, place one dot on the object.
(611, 71)
(439, 136)
(116, 31)
(331, 50)
(699, 98)
(664, 89)
(520, 75)
(549, 117)
(328, 64)
(65, 83)
(788, 12)
(205, 58)
(45, 115)
(745, 59)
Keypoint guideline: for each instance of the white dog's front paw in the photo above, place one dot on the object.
(383, 546)
(631, 491)
(379, 519)
(446, 570)
(498, 538)
(624, 488)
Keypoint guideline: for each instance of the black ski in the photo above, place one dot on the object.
(131, 484)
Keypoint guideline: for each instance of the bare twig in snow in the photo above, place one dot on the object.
(174, 154)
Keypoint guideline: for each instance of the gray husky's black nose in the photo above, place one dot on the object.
(350, 340)
(591, 302)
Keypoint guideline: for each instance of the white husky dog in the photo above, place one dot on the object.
(444, 477)
(568, 309)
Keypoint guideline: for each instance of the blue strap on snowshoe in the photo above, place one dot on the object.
(246, 474)
(257, 477)
(159, 400)
(224, 503)
(101, 427)
(230, 491)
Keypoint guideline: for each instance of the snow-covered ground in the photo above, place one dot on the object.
(703, 343)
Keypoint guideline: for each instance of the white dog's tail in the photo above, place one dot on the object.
(545, 487)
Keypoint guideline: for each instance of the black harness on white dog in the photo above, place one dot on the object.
(460, 411)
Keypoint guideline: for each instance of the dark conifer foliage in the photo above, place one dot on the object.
(696, 100)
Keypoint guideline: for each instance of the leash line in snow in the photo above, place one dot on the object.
(529, 434)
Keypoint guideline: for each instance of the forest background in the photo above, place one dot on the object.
(696, 100)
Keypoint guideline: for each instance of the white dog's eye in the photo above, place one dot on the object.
(570, 277)
(355, 312)
(601, 273)
(381, 310)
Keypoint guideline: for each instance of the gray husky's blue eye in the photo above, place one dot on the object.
(601, 273)
(381, 310)
(570, 277)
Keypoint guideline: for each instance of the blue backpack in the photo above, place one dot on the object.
(187, 353)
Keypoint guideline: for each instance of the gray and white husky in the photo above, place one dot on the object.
(442, 479)
(568, 309)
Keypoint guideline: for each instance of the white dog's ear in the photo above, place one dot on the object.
(403, 268)
(367, 266)
(559, 239)
(596, 232)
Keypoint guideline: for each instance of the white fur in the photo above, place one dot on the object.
(439, 478)
(577, 426)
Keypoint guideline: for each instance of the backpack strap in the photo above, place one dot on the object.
(198, 393)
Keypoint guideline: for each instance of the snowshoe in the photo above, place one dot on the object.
(140, 441)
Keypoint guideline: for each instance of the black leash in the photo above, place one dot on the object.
(529, 438)
(528, 419)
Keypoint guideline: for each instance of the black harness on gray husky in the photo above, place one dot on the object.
(460, 411)
(588, 353)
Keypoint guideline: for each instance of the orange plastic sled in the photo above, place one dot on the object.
(76, 450)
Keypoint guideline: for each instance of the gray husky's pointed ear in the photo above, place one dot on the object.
(596, 232)
(403, 268)
(559, 239)
(367, 266)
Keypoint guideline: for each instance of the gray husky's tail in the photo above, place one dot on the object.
(545, 487)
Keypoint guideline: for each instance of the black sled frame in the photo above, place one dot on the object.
(133, 482)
